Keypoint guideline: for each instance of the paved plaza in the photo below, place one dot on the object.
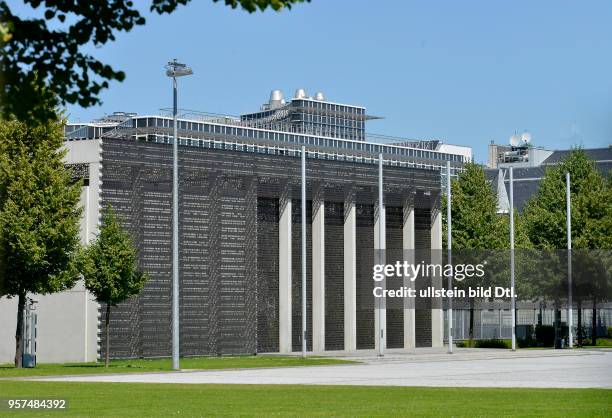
(421, 367)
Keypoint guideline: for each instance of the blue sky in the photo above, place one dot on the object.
(466, 72)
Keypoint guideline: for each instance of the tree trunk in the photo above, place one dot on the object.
(471, 327)
(557, 325)
(579, 323)
(19, 331)
(107, 332)
(541, 315)
(594, 339)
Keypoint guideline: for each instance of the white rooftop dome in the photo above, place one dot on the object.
(300, 94)
(276, 99)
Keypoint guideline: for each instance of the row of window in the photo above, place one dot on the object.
(291, 152)
(333, 121)
(296, 139)
(332, 107)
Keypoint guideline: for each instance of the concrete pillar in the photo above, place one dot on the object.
(350, 274)
(380, 311)
(284, 274)
(318, 271)
(409, 303)
(437, 314)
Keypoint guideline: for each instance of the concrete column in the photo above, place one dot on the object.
(284, 274)
(318, 272)
(437, 314)
(380, 311)
(409, 305)
(350, 274)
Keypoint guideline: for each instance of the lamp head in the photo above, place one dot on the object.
(175, 69)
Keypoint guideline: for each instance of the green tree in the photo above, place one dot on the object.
(110, 270)
(48, 54)
(476, 223)
(545, 221)
(39, 215)
(478, 231)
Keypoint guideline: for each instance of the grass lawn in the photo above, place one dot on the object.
(601, 342)
(142, 399)
(157, 365)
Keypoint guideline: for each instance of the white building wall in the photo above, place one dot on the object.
(457, 150)
(67, 321)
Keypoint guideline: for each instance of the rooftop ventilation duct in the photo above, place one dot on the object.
(276, 99)
(300, 94)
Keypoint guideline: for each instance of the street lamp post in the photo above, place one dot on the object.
(175, 69)
(449, 245)
(513, 300)
(382, 255)
(568, 219)
(304, 312)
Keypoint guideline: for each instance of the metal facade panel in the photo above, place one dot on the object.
(229, 244)
(334, 275)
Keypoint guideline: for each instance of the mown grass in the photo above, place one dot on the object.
(601, 342)
(147, 399)
(161, 365)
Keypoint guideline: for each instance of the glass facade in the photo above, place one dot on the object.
(247, 139)
(309, 116)
(328, 130)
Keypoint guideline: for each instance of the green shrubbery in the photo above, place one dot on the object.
(489, 343)
(493, 343)
(527, 342)
(545, 335)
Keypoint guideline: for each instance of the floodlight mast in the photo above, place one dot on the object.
(382, 255)
(449, 245)
(568, 215)
(175, 69)
(513, 300)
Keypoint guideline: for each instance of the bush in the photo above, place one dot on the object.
(609, 332)
(527, 342)
(493, 343)
(545, 335)
(604, 342)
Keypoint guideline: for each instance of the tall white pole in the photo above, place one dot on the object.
(449, 240)
(381, 249)
(85, 291)
(175, 238)
(570, 314)
(304, 251)
(512, 259)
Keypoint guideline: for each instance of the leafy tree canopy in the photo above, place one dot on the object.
(476, 225)
(39, 210)
(591, 199)
(46, 54)
(109, 264)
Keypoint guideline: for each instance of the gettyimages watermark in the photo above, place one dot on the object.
(459, 272)
(431, 278)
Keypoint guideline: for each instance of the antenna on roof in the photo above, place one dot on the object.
(514, 140)
(526, 138)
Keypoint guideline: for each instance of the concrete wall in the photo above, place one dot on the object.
(67, 321)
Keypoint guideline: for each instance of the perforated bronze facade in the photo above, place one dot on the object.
(229, 245)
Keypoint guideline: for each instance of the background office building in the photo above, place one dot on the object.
(240, 230)
(529, 163)
(493, 319)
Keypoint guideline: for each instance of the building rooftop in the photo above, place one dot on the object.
(527, 179)
(596, 154)
(327, 129)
